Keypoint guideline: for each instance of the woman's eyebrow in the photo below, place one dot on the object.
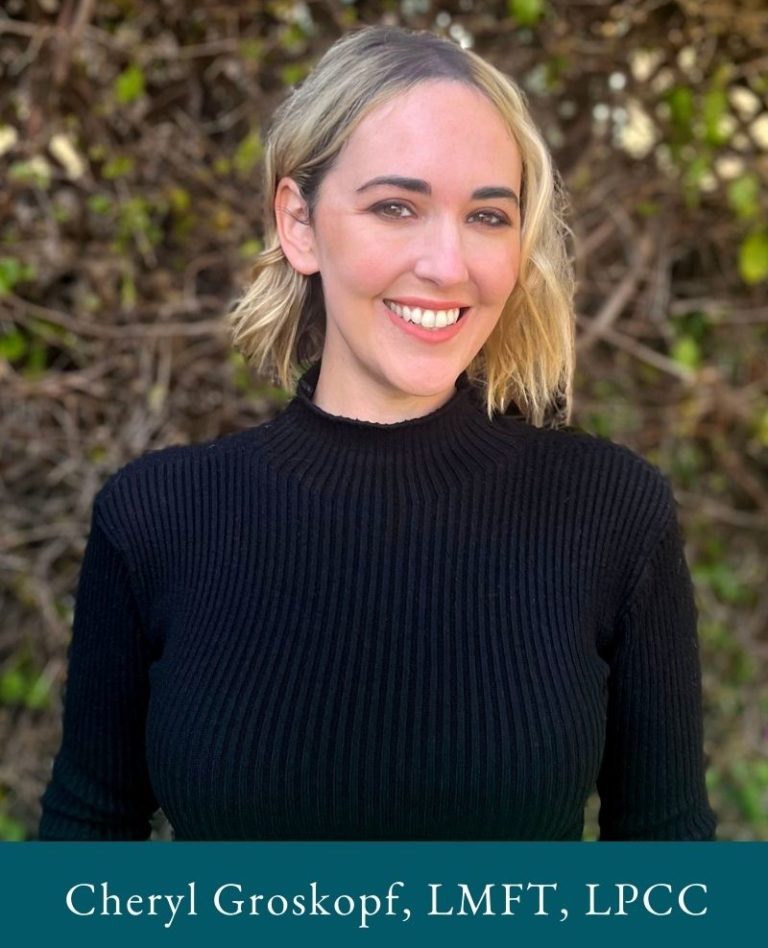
(395, 181)
(423, 187)
(491, 192)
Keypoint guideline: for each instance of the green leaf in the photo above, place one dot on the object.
(600, 424)
(680, 101)
(180, 199)
(292, 39)
(36, 360)
(36, 172)
(727, 586)
(686, 352)
(753, 257)
(693, 175)
(135, 221)
(249, 248)
(118, 167)
(714, 109)
(38, 694)
(23, 683)
(648, 208)
(13, 345)
(127, 292)
(526, 12)
(10, 274)
(252, 50)
(694, 323)
(744, 196)
(12, 686)
(129, 85)
(99, 203)
(293, 73)
(12, 271)
(248, 153)
(761, 429)
(11, 831)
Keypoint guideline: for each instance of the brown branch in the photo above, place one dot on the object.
(70, 28)
(599, 325)
(131, 330)
(645, 354)
(718, 511)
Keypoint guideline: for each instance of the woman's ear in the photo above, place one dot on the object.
(293, 227)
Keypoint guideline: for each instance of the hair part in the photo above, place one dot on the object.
(279, 322)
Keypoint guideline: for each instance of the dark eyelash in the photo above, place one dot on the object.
(385, 205)
(501, 219)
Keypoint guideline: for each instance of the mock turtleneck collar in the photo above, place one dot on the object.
(457, 403)
(442, 446)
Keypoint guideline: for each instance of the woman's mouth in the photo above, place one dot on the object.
(426, 318)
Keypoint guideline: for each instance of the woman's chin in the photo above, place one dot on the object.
(424, 393)
(427, 381)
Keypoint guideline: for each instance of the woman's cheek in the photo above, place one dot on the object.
(502, 276)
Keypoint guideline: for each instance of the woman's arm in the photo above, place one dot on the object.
(100, 788)
(651, 781)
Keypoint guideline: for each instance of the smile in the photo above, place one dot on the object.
(426, 318)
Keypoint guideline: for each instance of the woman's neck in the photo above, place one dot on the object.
(379, 405)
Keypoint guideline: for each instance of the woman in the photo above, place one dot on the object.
(406, 608)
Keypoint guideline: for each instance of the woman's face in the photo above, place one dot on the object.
(416, 223)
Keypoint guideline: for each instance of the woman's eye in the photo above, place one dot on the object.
(393, 209)
(491, 218)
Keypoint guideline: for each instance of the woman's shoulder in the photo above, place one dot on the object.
(602, 480)
(577, 450)
(152, 472)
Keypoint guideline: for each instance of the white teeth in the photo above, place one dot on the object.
(428, 318)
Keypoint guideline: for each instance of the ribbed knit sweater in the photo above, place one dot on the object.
(321, 628)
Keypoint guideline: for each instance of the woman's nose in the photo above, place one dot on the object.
(442, 258)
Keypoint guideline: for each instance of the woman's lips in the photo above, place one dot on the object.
(424, 322)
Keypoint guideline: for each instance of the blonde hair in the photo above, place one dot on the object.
(278, 324)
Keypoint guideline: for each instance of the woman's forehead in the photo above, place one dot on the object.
(441, 127)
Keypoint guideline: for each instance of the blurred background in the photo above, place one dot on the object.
(130, 145)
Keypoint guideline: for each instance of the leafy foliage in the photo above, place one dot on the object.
(130, 156)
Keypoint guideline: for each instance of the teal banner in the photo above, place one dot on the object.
(283, 894)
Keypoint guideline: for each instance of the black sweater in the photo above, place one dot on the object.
(444, 628)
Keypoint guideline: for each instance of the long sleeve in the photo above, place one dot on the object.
(651, 781)
(100, 788)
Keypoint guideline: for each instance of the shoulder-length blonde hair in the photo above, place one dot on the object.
(279, 322)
